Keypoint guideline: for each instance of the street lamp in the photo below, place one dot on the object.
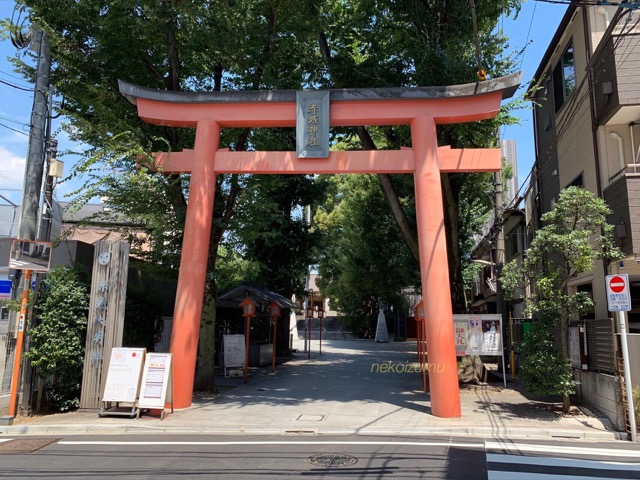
(274, 312)
(248, 311)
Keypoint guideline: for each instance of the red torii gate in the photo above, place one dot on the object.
(422, 108)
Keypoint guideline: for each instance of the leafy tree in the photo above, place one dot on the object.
(411, 44)
(174, 46)
(251, 44)
(575, 235)
(365, 263)
(57, 342)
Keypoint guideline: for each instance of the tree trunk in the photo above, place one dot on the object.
(205, 372)
(450, 194)
(408, 233)
(564, 343)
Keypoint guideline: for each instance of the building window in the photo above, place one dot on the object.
(512, 243)
(564, 77)
(577, 182)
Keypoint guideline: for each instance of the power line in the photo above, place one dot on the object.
(15, 130)
(533, 14)
(12, 76)
(13, 121)
(16, 86)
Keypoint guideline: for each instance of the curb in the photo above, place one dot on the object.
(470, 431)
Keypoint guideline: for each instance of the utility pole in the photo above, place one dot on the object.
(35, 155)
(29, 212)
(501, 306)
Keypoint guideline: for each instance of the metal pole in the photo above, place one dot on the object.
(13, 398)
(627, 373)
(320, 320)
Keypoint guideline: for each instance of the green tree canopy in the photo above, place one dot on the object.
(575, 235)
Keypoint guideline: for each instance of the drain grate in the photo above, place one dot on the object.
(332, 460)
(27, 445)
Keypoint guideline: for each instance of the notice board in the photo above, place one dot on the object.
(479, 334)
(233, 351)
(123, 377)
(155, 390)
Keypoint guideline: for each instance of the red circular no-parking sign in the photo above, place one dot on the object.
(617, 284)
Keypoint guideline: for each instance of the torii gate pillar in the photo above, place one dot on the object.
(434, 271)
(422, 108)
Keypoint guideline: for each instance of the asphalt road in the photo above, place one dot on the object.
(285, 457)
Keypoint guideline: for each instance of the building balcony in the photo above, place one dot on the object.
(623, 198)
(616, 80)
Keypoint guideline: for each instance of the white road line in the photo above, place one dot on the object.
(557, 449)
(5, 439)
(562, 462)
(275, 442)
(538, 476)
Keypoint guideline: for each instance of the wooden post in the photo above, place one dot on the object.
(309, 335)
(105, 325)
(246, 346)
(275, 330)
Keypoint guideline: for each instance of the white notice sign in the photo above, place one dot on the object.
(156, 379)
(123, 376)
(233, 351)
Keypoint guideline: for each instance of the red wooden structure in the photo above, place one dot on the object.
(423, 108)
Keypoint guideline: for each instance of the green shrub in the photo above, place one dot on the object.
(57, 342)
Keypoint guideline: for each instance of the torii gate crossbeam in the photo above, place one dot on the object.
(422, 108)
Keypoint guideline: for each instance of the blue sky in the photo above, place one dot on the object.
(536, 22)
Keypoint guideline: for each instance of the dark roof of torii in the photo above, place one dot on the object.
(508, 85)
(258, 294)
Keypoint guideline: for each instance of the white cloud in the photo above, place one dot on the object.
(11, 169)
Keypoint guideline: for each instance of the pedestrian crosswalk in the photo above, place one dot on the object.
(518, 461)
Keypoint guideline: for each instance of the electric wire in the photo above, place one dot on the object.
(15, 86)
(2, 72)
(14, 129)
(533, 14)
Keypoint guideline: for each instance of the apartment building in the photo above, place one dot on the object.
(586, 97)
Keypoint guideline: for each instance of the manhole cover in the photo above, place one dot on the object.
(27, 445)
(332, 460)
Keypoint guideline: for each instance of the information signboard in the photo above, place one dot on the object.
(156, 390)
(234, 351)
(478, 334)
(123, 377)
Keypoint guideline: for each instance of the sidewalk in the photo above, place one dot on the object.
(344, 391)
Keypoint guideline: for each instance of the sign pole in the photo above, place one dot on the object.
(13, 398)
(627, 373)
(619, 301)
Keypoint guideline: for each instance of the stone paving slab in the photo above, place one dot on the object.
(341, 392)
